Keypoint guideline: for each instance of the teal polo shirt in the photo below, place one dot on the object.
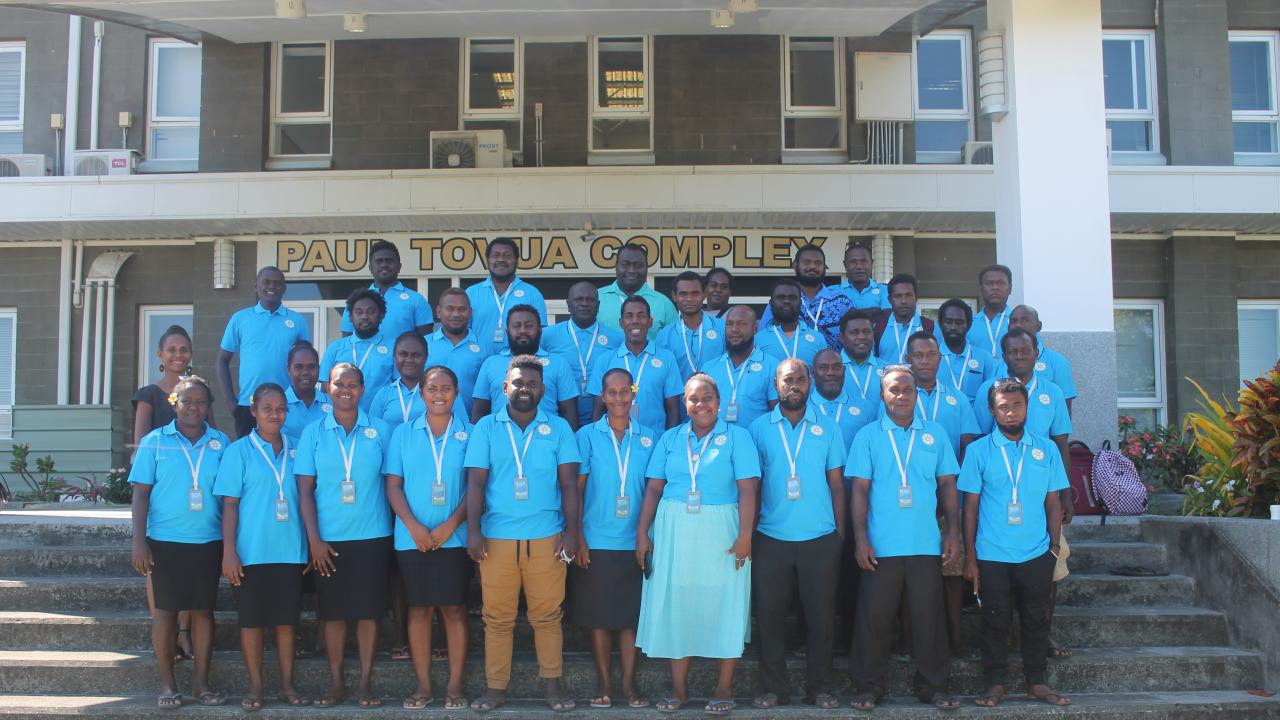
(862, 385)
(406, 310)
(984, 474)
(874, 296)
(300, 415)
(897, 531)
(557, 380)
(1047, 413)
(985, 334)
(842, 411)
(373, 356)
(601, 526)
(804, 343)
(892, 348)
(249, 474)
(966, 370)
(550, 444)
(726, 455)
(692, 348)
(661, 308)
(489, 310)
(410, 456)
(464, 358)
(263, 338)
(947, 408)
(1052, 366)
(320, 455)
(815, 445)
(164, 461)
(654, 371)
(749, 384)
(593, 343)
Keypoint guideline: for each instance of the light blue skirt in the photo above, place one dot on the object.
(695, 604)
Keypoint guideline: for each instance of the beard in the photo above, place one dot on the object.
(366, 332)
(809, 280)
(525, 347)
(788, 404)
(1012, 429)
(522, 403)
(739, 347)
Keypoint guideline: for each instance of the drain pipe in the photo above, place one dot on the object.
(111, 342)
(86, 315)
(97, 342)
(99, 28)
(69, 139)
(64, 321)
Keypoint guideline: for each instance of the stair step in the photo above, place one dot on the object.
(1116, 529)
(1129, 669)
(54, 527)
(65, 560)
(1105, 557)
(1105, 590)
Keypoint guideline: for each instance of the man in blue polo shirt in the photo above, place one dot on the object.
(935, 401)
(406, 309)
(893, 329)
(783, 336)
(1050, 364)
(582, 341)
(830, 397)
(719, 286)
(368, 349)
(655, 375)
(995, 283)
(493, 297)
(632, 270)
(522, 520)
(903, 470)
(744, 373)
(453, 345)
(1047, 409)
(697, 336)
(262, 335)
(1013, 525)
(963, 368)
(863, 370)
(858, 286)
(800, 534)
(524, 335)
(821, 306)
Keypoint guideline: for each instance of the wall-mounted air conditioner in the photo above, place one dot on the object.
(25, 166)
(105, 162)
(977, 153)
(469, 149)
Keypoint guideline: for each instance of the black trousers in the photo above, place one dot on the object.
(244, 420)
(777, 567)
(847, 593)
(880, 593)
(1028, 584)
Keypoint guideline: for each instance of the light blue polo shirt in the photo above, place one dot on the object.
(873, 297)
(1052, 366)
(406, 310)
(395, 404)
(661, 309)
(557, 380)
(897, 531)
(262, 339)
(985, 334)
(693, 348)
(551, 444)
(410, 456)
(373, 356)
(729, 456)
(862, 385)
(891, 349)
(816, 446)
(161, 463)
(594, 342)
(753, 380)
(841, 410)
(300, 415)
(965, 371)
(654, 370)
(947, 408)
(320, 455)
(260, 538)
(804, 343)
(464, 359)
(984, 474)
(601, 526)
(489, 310)
(1046, 409)
(810, 309)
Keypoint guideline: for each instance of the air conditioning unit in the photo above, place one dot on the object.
(977, 153)
(25, 166)
(469, 149)
(105, 162)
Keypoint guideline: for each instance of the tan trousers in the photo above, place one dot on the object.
(533, 566)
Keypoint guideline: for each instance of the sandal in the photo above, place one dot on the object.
(455, 702)
(417, 702)
(489, 701)
(865, 701)
(1048, 696)
(295, 700)
(169, 701)
(942, 701)
(826, 701)
(369, 701)
(180, 653)
(993, 697)
(209, 697)
(637, 701)
(719, 707)
(767, 701)
(562, 704)
(670, 704)
(601, 702)
(440, 654)
(400, 653)
(250, 703)
(1059, 653)
(330, 700)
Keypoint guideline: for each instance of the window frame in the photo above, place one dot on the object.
(160, 122)
(146, 343)
(20, 48)
(1160, 402)
(1273, 306)
(1152, 114)
(964, 114)
(839, 110)
(1271, 39)
(319, 319)
(604, 156)
(279, 118)
(468, 114)
(7, 409)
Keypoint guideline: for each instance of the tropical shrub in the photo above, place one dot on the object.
(1162, 454)
(1257, 441)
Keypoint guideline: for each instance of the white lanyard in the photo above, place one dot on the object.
(897, 336)
(795, 342)
(733, 382)
(624, 462)
(284, 460)
(822, 406)
(684, 337)
(958, 381)
(694, 464)
(862, 385)
(636, 375)
(348, 457)
(405, 408)
(573, 335)
(792, 459)
(439, 455)
(360, 362)
(1031, 389)
(992, 334)
(501, 302)
(902, 466)
(813, 317)
(937, 395)
(1015, 479)
(195, 467)
(518, 454)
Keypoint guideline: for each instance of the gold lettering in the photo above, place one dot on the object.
(714, 247)
(604, 252)
(427, 248)
(531, 253)
(318, 258)
(776, 250)
(459, 253)
(347, 262)
(288, 252)
(559, 254)
(678, 252)
(649, 244)
(740, 257)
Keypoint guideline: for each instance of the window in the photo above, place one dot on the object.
(621, 104)
(492, 87)
(1140, 382)
(153, 320)
(1258, 322)
(13, 58)
(813, 114)
(8, 369)
(1255, 110)
(325, 317)
(1128, 70)
(173, 101)
(943, 94)
(302, 79)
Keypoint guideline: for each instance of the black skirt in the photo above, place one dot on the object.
(358, 588)
(185, 575)
(606, 596)
(269, 595)
(437, 578)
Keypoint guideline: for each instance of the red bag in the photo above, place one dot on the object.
(1080, 475)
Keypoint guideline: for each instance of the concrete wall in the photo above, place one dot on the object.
(212, 310)
(555, 74)
(1194, 79)
(124, 85)
(1201, 336)
(234, 83)
(28, 283)
(46, 73)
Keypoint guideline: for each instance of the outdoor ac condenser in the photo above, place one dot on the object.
(25, 166)
(105, 162)
(469, 149)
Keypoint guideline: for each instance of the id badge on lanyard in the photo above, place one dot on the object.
(731, 412)
(904, 496)
(693, 503)
(793, 488)
(522, 488)
(622, 506)
(348, 491)
(437, 494)
(195, 500)
(282, 510)
(1015, 513)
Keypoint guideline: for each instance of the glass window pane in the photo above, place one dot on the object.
(610, 134)
(175, 143)
(1143, 418)
(1254, 137)
(308, 139)
(1250, 75)
(813, 72)
(1130, 135)
(1136, 354)
(620, 73)
(302, 78)
(941, 135)
(177, 81)
(493, 75)
(510, 130)
(1118, 58)
(155, 324)
(11, 142)
(1259, 344)
(940, 77)
(812, 133)
(10, 86)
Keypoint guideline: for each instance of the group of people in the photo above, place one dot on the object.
(658, 467)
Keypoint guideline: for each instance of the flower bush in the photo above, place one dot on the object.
(1162, 454)
(1218, 488)
(1256, 426)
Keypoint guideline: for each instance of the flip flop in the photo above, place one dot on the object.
(417, 702)
(1049, 697)
(991, 698)
(942, 701)
(295, 700)
(638, 701)
(369, 701)
(209, 697)
(400, 653)
(1059, 653)
(250, 703)
(767, 701)
(601, 702)
(440, 654)
(563, 704)
(719, 707)
(670, 704)
(864, 702)
(455, 702)
(330, 700)
(488, 702)
(826, 701)
(169, 701)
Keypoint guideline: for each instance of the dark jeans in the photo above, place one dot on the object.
(244, 420)
(880, 593)
(1028, 584)
(777, 567)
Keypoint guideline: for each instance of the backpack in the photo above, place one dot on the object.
(1117, 483)
(1079, 470)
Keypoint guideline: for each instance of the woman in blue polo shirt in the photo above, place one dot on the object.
(307, 403)
(400, 400)
(604, 587)
(343, 503)
(694, 543)
(265, 552)
(177, 532)
(426, 486)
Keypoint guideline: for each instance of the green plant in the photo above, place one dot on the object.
(1163, 455)
(1257, 440)
(44, 485)
(117, 486)
(1218, 488)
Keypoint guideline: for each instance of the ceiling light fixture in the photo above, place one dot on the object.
(721, 18)
(744, 6)
(291, 9)
(355, 22)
